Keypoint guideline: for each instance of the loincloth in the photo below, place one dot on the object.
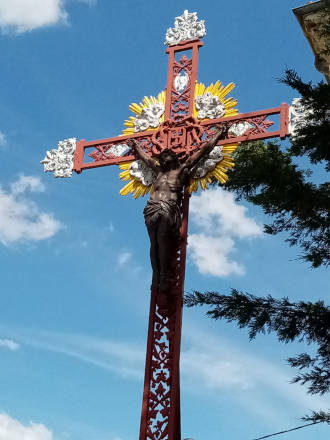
(156, 210)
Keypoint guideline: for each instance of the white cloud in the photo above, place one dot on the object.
(20, 218)
(9, 344)
(111, 227)
(27, 183)
(124, 257)
(3, 140)
(221, 220)
(211, 255)
(11, 429)
(216, 372)
(25, 15)
(210, 365)
(122, 358)
(216, 210)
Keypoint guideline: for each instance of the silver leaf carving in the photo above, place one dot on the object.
(186, 27)
(181, 81)
(142, 172)
(298, 116)
(239, 128)
(149, 117)
(207, 163)
(60, 160)
(118, 150)
(209, 106)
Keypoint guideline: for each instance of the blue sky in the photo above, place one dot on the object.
(74, 253)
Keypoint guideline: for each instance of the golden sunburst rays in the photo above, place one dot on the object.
(219, 91)
(134, 185)
(219, 172)
(146, 103)
(229, 107)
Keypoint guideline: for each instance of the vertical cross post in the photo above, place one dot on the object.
(186, 68)
(160, 418)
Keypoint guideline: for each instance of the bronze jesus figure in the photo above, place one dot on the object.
(162, 213)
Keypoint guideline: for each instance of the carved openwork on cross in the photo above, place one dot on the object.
(182, 119)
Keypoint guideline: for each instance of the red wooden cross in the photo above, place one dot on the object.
(183, 133)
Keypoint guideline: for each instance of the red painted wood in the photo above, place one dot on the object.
(168, 101)
(284, 120)
(79, 156)
(174, 429)
(193, 77)
(148, 367)
(82, 145)
(191, 71)
(185, 45)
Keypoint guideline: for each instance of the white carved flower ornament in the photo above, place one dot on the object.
(209, 106)
(186, 27)
(149, 117)
(142, 172)
(60, 160)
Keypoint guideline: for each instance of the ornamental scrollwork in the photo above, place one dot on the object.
(159, 400)
(181, 87)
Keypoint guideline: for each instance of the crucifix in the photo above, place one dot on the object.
(175, 143)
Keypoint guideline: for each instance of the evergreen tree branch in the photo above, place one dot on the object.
(267, 177)
(312, 139)
(302, 321)
(321, 416)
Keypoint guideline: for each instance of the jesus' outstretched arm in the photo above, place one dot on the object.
(220, 133)
(141, 154)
